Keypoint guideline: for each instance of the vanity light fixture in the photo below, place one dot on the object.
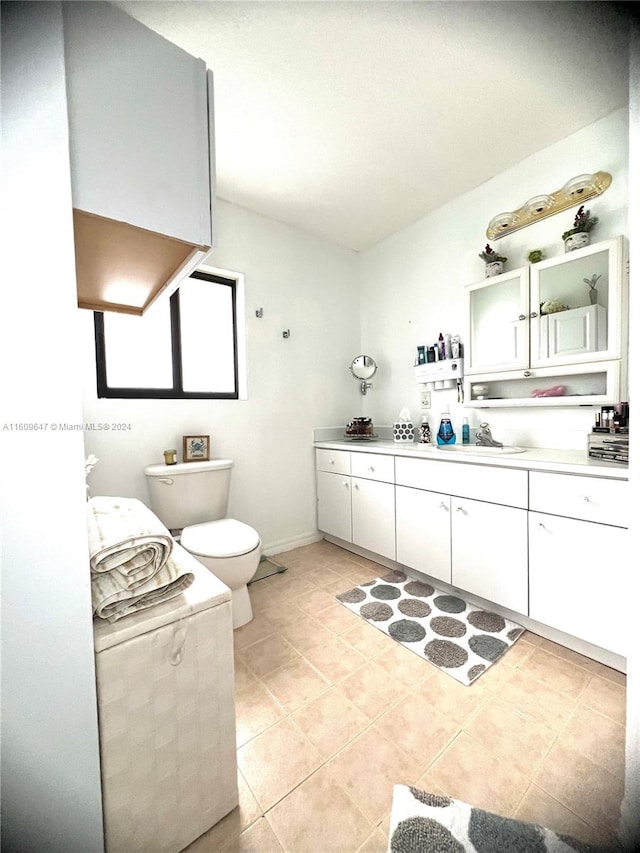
(576, 191)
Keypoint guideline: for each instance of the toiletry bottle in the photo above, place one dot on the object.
(465, 430)
(447, 346)
(446, 435)
(425, 431)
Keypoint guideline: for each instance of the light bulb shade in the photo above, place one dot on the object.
(503, 222)
(579, 186)
(538, 204)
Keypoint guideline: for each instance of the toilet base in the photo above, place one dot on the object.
(241, 607)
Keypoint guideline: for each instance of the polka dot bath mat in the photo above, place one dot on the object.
(459, 638)
(423, 822)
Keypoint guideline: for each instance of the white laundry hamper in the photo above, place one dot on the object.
(167, 719)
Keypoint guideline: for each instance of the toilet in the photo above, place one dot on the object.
(193, 497)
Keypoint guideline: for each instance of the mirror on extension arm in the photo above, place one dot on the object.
(363, 367)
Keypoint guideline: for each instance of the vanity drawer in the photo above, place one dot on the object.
(335, 461)
(373, 466)
(585, 498)
(506, 486)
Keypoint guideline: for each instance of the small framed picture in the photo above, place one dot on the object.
(195, 448)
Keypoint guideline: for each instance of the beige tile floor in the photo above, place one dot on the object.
(331, 713)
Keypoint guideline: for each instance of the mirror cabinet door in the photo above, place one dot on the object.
(498, 312)
(576, 302)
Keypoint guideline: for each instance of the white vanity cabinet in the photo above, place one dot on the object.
(465, 524)
(361, 508)
(489, 551)
(516, 355)
(333, 480)
(141, 140)
(423, 531)
(578, 557)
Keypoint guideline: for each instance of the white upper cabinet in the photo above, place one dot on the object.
(589, 326)
(142, 162)
(510, 329)
(498, 312)
(541, 335)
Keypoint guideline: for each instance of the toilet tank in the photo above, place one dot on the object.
(189, 492)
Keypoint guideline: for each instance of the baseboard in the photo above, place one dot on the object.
(272, 548)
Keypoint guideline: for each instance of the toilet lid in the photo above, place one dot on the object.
(224, 538)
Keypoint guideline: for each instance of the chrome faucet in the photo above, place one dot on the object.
(485, 439)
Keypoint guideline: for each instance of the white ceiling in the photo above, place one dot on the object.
(350, 120)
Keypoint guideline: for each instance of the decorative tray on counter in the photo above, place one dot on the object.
(371, 437)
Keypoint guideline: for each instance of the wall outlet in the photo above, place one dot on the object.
(425, 399)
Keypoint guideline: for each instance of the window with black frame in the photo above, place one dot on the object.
(185, 347)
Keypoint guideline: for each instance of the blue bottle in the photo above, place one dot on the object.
(445, 434)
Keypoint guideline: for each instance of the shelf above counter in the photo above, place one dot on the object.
(592, 384)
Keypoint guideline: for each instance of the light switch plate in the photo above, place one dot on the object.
(425, 399)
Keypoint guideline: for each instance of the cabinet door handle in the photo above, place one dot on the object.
(331, 462)
(356, 486)
(521, 317)
(345, 483)
(541, 526)
(585, 499)
(533, 315)
(371, 468)
(460, 509)
(443, 505)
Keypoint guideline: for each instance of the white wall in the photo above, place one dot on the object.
(302, 284)
(413, 282)
(630, 822)
(51, 797)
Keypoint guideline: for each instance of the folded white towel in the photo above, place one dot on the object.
(112, 602)
(126, 540)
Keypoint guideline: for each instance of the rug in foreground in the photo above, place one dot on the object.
(423, 823)
(461, 639)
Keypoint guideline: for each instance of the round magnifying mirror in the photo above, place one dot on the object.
(363, 367)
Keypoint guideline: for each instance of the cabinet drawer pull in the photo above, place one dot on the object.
(371, 468)
(332, 462)
(541, 526)
(585, 499)
(527, 373)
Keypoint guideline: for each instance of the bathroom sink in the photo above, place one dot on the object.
(481, 450)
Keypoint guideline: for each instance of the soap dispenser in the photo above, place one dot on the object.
(445, 434)
(425, 431)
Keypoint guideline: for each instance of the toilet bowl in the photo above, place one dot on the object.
(231, 551)
(193, 497)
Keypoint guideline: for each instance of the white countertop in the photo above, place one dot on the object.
(533, 458)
